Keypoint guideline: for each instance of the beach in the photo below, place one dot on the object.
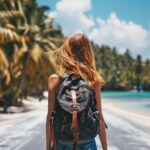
(141, 120)
(127, 129)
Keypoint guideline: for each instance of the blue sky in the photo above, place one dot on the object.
(117, 23)
(135, 10)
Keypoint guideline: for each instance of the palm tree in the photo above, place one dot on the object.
(25, 32)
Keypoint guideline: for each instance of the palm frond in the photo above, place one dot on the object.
(39, 14)
(21, 10)
(20, 52)
(50, 44)
(7, 4)
(9, 15)
(36, 53)
(7, 35)
(54, 39)
(3, 59)
(4, 66)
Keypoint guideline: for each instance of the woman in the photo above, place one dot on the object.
(76, 55)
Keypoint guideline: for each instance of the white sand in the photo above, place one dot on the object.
(29, 104)
(142, 119)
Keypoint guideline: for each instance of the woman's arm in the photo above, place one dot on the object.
(52, 83)
(102, 133)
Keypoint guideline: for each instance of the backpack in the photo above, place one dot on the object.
(76, 118)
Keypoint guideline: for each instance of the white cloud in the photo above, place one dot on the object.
(70, 14)
(122, 35)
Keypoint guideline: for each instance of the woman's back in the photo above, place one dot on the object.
(75, 116)
(75, 98)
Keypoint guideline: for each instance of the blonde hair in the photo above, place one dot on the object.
(76, 55)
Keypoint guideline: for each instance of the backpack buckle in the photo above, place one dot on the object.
(74, 108)
(75, 130)
(52, 117)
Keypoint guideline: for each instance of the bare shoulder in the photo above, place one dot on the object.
(53, 76)
(53, 81)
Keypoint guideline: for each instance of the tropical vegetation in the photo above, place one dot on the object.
(28, 38)
(26, 34)
(122, 71)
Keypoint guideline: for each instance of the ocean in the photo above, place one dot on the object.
(138, 101)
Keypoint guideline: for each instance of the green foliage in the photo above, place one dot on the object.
(121, 71)
(26, 33)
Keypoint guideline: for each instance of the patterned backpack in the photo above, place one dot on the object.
(76, 118)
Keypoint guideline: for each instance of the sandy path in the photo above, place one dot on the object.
(26, 131)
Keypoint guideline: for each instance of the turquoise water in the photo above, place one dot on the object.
(131, 100)
(138, 95)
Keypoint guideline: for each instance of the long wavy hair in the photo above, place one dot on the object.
(76, 55)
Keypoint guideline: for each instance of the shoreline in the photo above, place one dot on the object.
(122, 134)
(140, 120)
(118, 108)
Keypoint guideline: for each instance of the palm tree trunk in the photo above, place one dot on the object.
(22, 79)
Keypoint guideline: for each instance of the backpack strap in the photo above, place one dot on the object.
(74, 120)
